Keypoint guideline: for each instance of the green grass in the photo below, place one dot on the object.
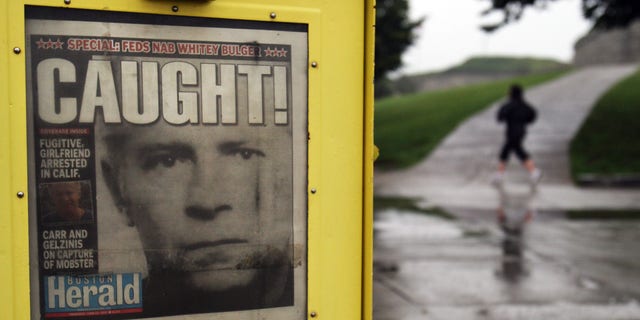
(609, 140)
(408, 128)
(408, 204)
(480, 66)
(603, 214)
(507, 64)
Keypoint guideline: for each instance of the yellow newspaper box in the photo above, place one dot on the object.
(186, 159)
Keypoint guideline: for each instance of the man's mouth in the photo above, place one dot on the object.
(230, 254)
(219, 255)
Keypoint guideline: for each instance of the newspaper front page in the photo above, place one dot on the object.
(167, 156)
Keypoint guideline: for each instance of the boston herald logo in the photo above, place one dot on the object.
(92, 292)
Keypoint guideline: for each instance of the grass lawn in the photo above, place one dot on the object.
(609, 140)
(603, 214)
(407, 204)
(408, 128)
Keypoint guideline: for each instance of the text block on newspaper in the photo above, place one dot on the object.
(168, 159)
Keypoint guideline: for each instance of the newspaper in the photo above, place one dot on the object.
(168, 159)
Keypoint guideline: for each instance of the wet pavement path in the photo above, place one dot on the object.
(511, 253)
(476, 268)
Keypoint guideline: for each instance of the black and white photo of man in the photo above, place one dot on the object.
(212, 206)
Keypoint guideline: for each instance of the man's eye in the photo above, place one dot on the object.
(163, 157)
(165, 160)
(247, 153)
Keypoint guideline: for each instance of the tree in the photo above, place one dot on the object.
(394, 34)
(611, 13)
(605, 14)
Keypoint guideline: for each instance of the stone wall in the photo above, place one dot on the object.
(612, 46)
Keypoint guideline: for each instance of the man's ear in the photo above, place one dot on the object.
(110, 175)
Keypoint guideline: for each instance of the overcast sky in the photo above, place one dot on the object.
(451, 34)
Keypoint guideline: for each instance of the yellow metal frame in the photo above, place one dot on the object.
(369, 157)
(341, 151)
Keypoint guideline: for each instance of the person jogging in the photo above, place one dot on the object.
(517, 114)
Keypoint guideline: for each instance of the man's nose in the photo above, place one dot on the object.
(205, 193)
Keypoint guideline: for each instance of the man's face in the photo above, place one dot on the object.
(66, 199)
(203, 199)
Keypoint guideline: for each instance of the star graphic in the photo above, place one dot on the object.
(57, 44)
(282, 52)
(49, 44)
(268, 52)
(40, 43)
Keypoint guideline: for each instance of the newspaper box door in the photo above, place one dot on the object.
(186, 160)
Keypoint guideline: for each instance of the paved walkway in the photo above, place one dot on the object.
(458, 172)
(474, 268)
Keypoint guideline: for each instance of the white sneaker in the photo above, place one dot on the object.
(536, 175)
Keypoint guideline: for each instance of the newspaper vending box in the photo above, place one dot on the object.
(186, 159)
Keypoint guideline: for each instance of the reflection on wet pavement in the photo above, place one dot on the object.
(513, 214)
(507, 263)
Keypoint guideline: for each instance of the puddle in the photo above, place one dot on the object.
(398, 224)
